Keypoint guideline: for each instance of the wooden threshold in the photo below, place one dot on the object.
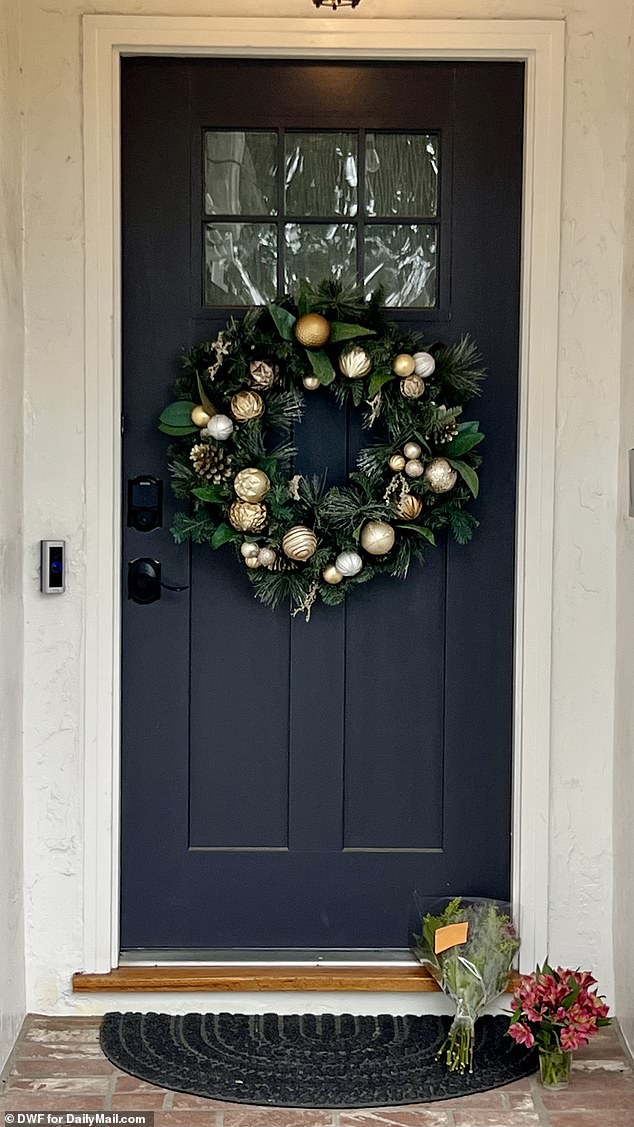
(185, 978)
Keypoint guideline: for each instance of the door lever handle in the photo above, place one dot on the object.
(145, 583)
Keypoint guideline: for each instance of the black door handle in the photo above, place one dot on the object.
(145, 583)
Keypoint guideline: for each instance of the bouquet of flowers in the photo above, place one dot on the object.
(558, 1011)
(469, 949)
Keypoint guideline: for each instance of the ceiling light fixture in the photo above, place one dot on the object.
(336, 4)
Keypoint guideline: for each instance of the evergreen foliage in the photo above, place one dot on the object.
(216, 370)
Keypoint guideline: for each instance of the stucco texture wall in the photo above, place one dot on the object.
(581, 832)
(624, 758)
(12, 995)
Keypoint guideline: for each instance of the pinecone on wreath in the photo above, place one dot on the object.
(211, 462)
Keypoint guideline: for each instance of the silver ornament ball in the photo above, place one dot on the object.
(412, 450)
(349, 564)
(220, 427)
(414, 468)
(424, 364)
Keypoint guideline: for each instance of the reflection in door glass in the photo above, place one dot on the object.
(240, 263)
(240, 173)
(402, 259)
(401, 174)
(320, 250)
(321, 173)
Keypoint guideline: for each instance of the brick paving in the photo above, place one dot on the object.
(58, 1066)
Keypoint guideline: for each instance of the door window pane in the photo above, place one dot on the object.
(321, 173)
(402, 259)
(401, 174)
(240, 173)
(240, 263)
(320, 250)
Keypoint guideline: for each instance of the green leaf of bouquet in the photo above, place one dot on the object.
(468, 428)
(284, 321)
(420, 530)
(177, 432)
(304, 298)
(208, 493)
(462, 444)
(321, 366)
(377, 380)
(467, 473)
(178, 414)
(340, 331)
(223, 535)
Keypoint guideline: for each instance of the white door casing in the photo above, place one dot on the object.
(541, 45)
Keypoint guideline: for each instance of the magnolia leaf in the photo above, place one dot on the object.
(420, 529)
(284, 321)
(377, 380)
(223, 535)
(467, 473)
(208, 493)
(204, 398)
(178, 432)
(304, 297)
(340, 331)
(462, 443)
(468, 428)
(321, 366)
(178, 414)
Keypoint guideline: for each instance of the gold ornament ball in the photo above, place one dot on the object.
(397, 463)
(409, 507)
(299, 543)
(412, 450)
(355, 363)
(412, 387)
(404, 365)
(414, 468)
(253, 562)
(247, 405)
(267, 557)
(251, 484)
(248, 550)
(440, 476)
(248, 517)
(200, 417)
(377, 537)
(312, 330)
(263, 373)
(332, 575)
(311, 383)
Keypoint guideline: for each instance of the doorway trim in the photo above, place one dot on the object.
(541, 44)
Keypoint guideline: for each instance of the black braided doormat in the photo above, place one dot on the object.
(308, 1061)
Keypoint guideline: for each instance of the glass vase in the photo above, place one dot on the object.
(554, 1069)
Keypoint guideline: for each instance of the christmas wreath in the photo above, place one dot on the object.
(298, 540)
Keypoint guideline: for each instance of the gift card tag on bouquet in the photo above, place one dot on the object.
(450, 936)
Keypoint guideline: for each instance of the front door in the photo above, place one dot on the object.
(284, 784)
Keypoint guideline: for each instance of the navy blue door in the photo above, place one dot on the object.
(284, 784)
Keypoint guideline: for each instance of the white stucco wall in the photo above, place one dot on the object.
(12, 996)
(580, 834)
(624, 752)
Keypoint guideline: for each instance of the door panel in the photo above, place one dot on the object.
(287, 784)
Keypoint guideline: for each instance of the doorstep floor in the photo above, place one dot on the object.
(58, 1066)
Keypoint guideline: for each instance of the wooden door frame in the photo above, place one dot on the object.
(541, 44)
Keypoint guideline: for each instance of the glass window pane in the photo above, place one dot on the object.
(401, 174)
(240, 263)
(240, 173)
(402, 258)
(321, 173)
(320, 250)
